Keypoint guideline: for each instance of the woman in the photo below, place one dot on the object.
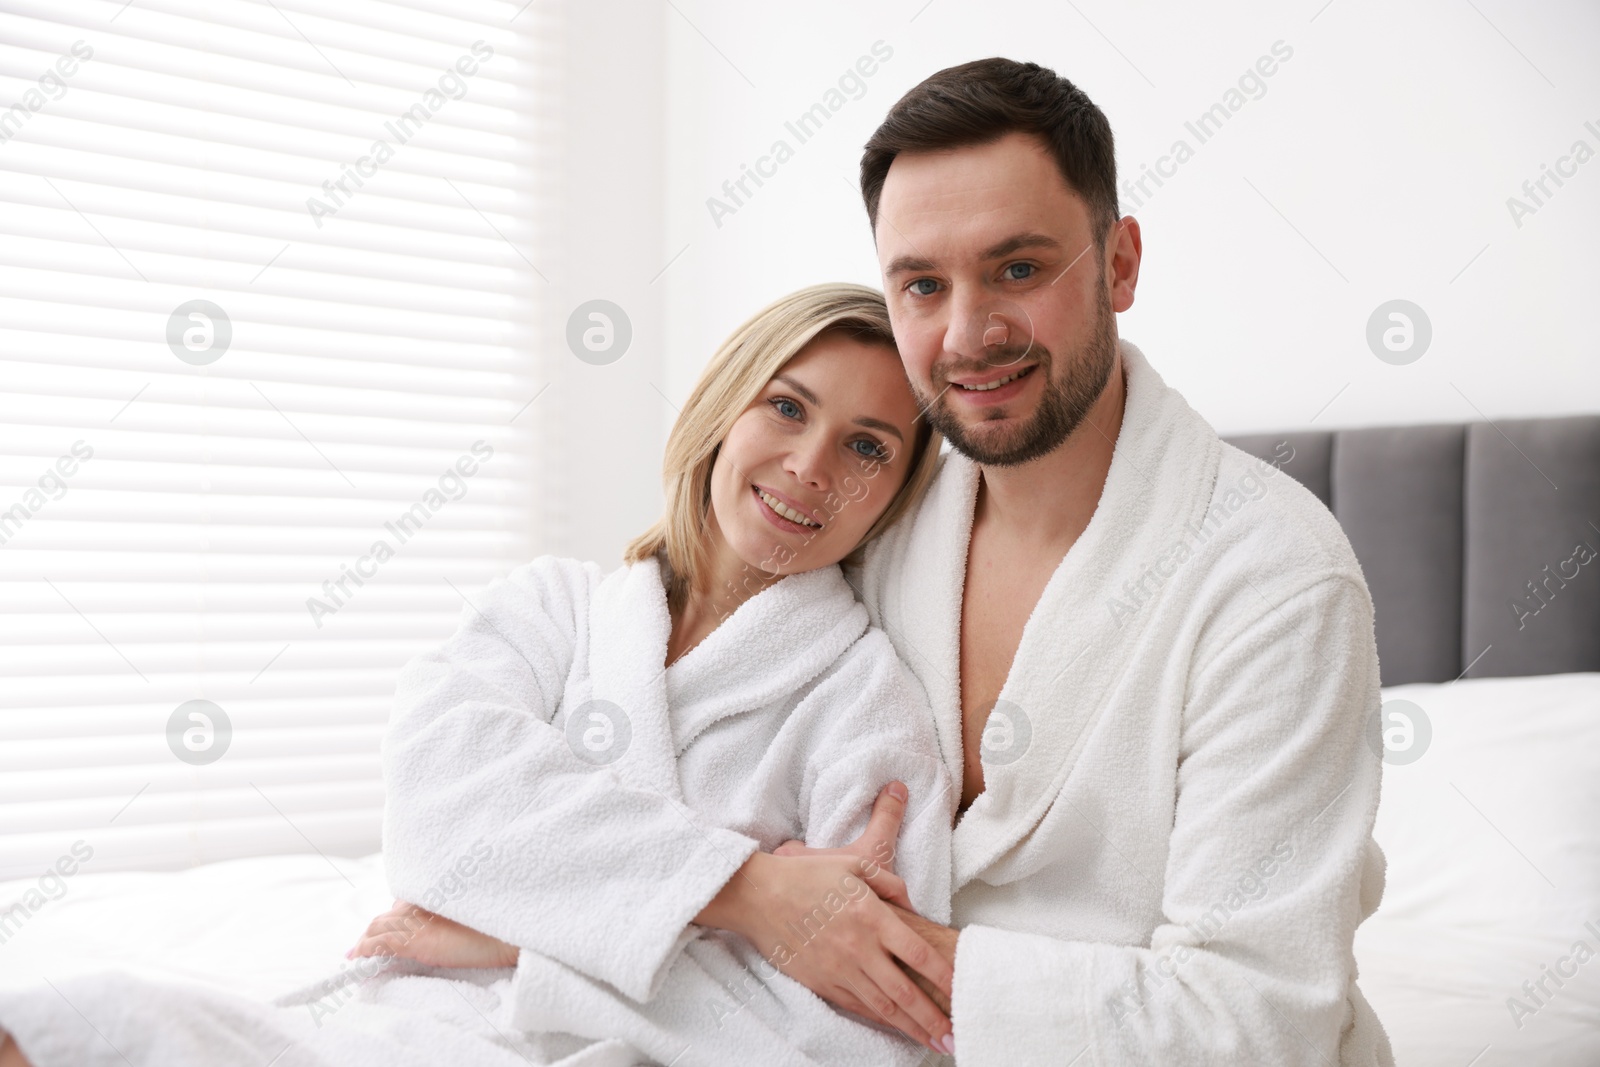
(584, 778)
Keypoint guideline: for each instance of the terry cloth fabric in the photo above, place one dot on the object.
(1171, 856)
(399, 1016)
(618, 797)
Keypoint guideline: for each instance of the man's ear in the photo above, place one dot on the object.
(1125, 252)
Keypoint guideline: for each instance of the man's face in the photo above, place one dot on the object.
(997, 292)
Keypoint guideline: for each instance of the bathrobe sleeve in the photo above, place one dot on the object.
(491, 820)
(1270, 870)
(879, 729)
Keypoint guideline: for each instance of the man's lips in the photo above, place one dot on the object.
(982, 383)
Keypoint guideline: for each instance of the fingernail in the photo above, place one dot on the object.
(350, 952)
(948, 1043)
(897, 791)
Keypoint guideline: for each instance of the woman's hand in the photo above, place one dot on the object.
(417, 934)
(823, 920)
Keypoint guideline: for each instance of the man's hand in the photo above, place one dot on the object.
(877, 841)
(862, 957)
(876, 844)
(10, 1054)
(417, 934)
(820, 920)
(943, 940)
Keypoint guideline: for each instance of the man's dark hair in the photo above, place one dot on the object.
(981, 101)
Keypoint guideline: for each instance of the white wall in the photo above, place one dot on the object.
(1390, 140)
(1376, 165)
(602, 426)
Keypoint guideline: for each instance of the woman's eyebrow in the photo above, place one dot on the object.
(879, 424)
(811, 398)
(864, 420)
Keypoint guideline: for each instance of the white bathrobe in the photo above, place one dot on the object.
(785, 722)
(1174, 846)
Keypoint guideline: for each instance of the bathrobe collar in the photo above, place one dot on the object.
(767, 650)
(1074, 651)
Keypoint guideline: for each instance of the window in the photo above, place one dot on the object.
(267, 307)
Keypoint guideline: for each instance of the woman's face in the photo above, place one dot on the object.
(811, 464)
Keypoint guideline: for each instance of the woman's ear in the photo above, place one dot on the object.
(705, 486)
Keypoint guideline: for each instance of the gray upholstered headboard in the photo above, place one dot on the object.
(1480, 542)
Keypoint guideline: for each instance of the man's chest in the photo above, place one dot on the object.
(1002, 586)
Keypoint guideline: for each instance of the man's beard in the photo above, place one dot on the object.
(1062, 408)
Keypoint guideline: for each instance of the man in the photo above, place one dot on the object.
(1150, 658)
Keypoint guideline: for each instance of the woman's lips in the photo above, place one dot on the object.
(776, 519)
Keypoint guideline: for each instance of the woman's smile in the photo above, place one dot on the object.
(781, 514)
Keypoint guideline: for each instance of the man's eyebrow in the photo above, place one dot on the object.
(907, 265)
(865, 420)
(1020, 240)
(910, 264)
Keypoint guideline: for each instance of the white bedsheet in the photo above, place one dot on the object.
(1506, 796)
(1493, 844)
(261, 927)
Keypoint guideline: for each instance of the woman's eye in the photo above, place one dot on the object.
(916, 286)
(873, 450)
(1026, 268)
(786, 407)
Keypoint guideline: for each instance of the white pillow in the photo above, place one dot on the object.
(1491, 828)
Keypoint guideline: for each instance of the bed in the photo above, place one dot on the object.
(1490, 794)
(1478, 542)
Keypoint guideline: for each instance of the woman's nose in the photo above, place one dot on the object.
(808, 462)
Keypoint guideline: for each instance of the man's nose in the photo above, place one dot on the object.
(963, 336)
(987, 328)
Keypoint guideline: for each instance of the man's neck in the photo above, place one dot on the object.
(1048, 501)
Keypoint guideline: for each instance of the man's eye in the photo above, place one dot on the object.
(916, 286)
(1026, 268)
(786, 407)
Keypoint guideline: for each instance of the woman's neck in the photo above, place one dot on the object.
(726, 583)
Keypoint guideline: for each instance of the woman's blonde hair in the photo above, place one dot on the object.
(750, 358)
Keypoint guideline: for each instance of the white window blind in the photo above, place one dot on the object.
(268, 293)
